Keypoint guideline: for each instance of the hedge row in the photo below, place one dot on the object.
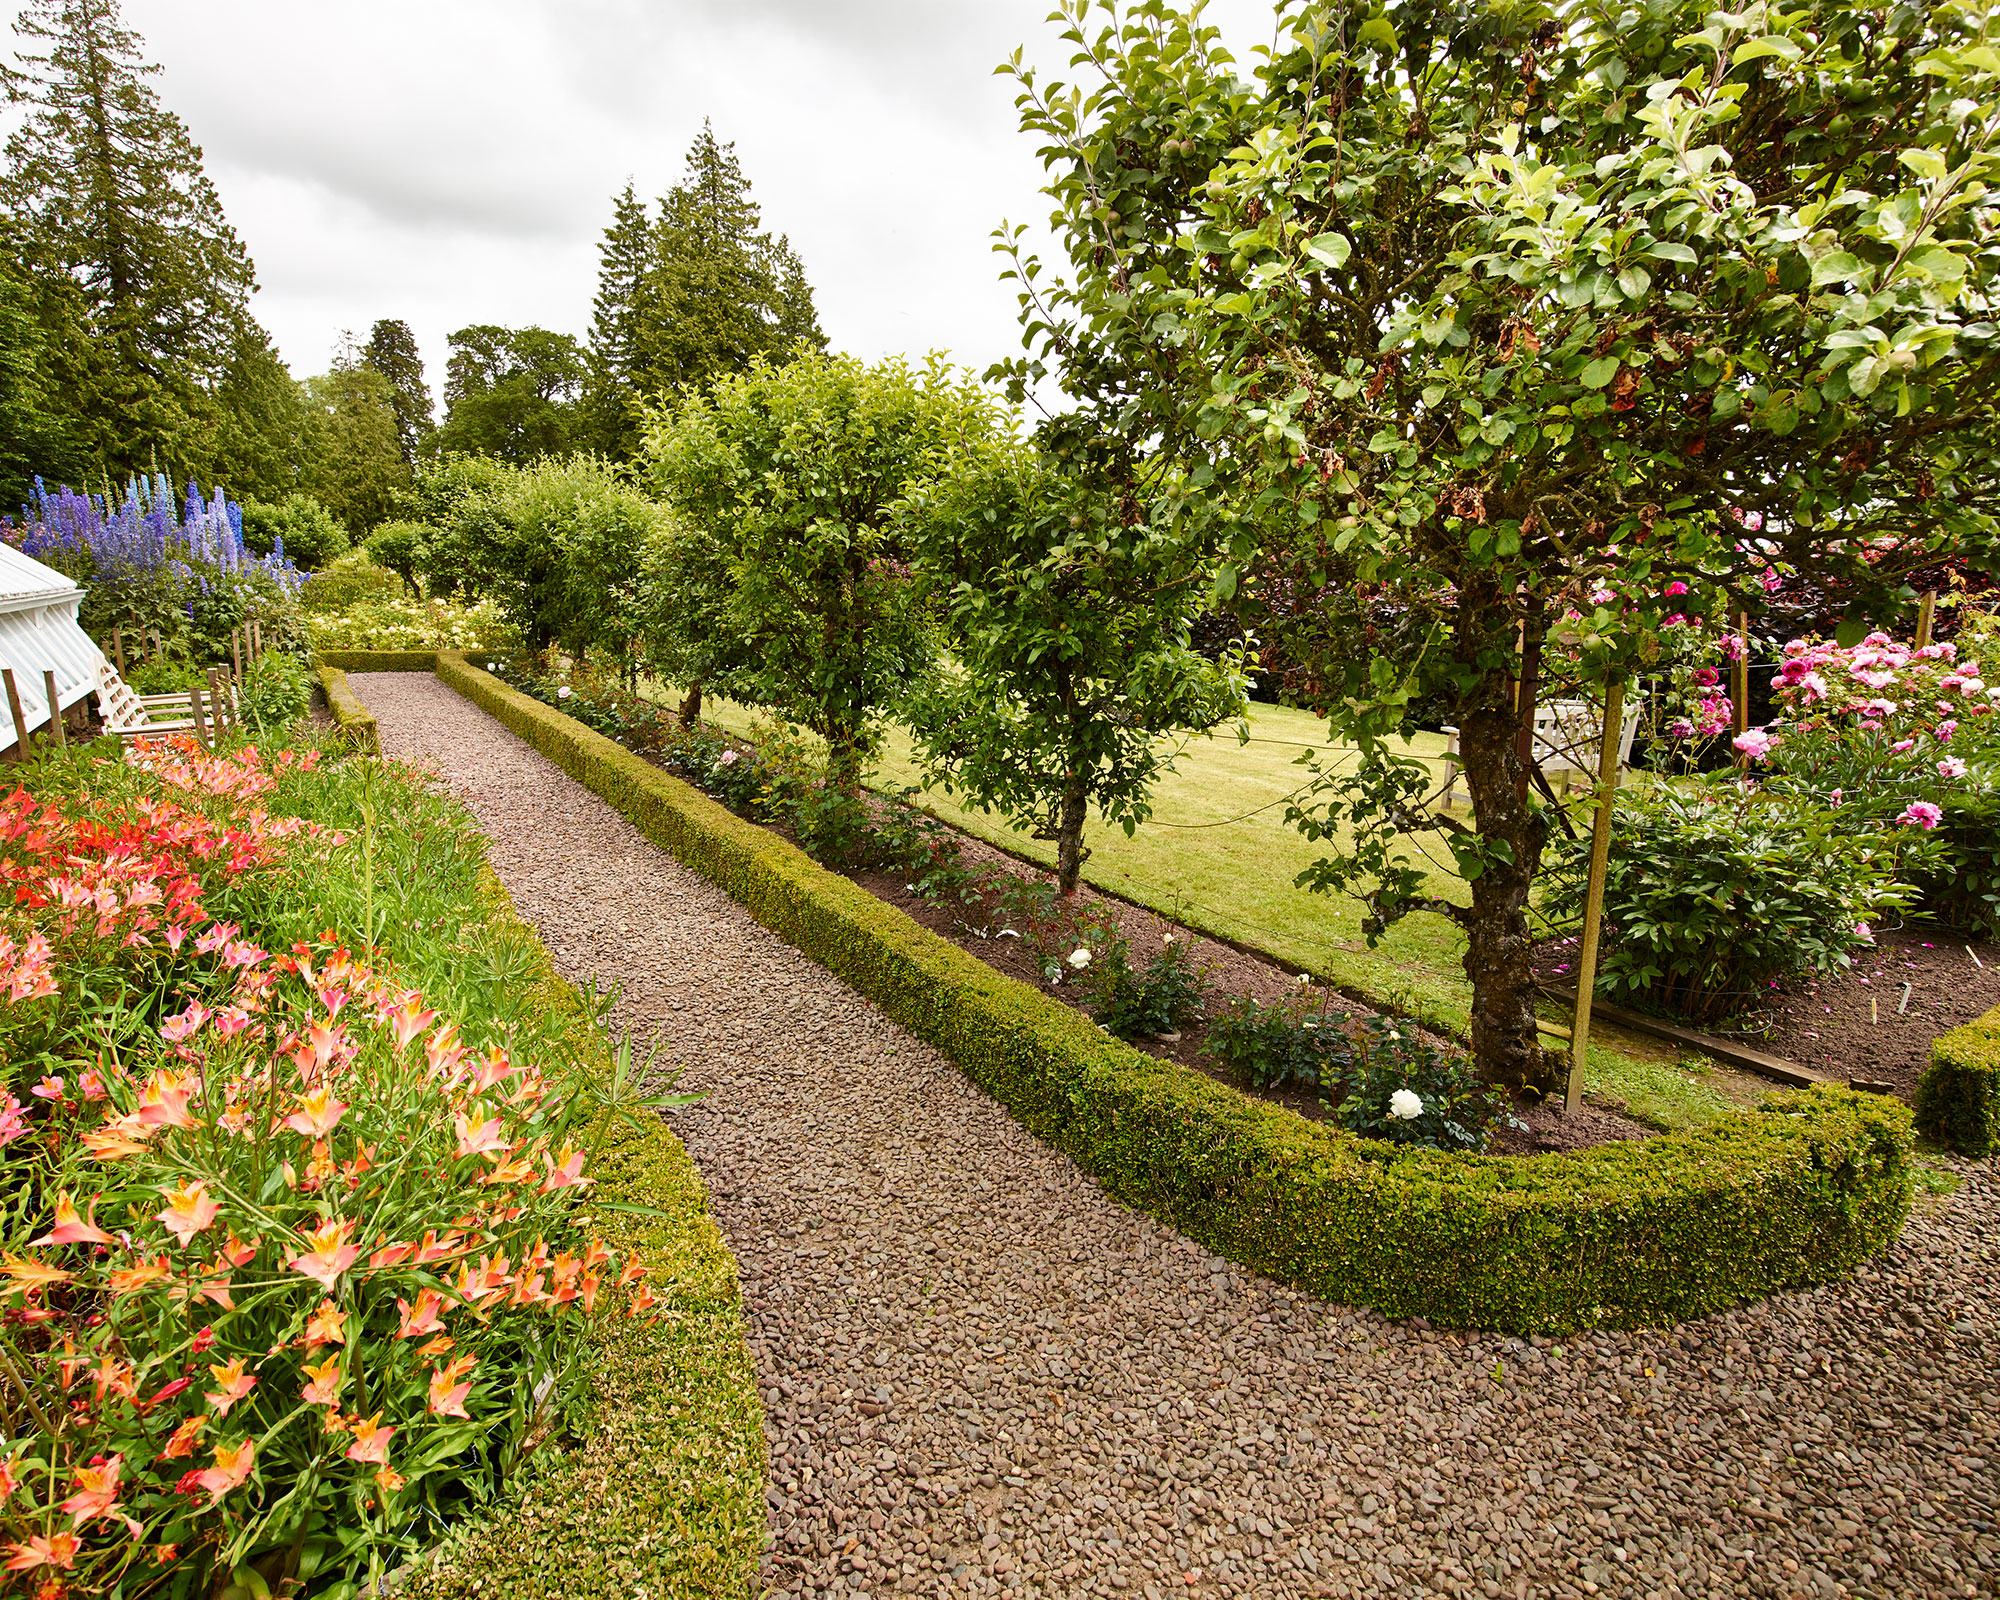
(1798, 1191)
(666, 1497)
(1958, 1097)
(357, 722)
(379, 660)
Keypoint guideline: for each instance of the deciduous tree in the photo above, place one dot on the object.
(512, 393)
(1530, 316)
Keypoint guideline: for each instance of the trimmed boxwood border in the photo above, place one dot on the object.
(1802, 1189)
(356, 721)
(1958, 1097)
(666, 1498)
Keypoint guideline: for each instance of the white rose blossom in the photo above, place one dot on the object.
(1079, 958)
(1405, 1103)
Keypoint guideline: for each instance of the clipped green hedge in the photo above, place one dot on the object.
(379, 660)
(1958, 1097)
(1800, 1190)
(666, 1498)
(356, 721)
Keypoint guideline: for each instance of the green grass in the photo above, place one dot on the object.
(1219, 856)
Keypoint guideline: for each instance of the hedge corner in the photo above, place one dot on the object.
(356, 721)
(1958, 1097)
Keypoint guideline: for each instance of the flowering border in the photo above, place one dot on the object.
(1800, 1190)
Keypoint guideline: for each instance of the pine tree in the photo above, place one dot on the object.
(392, 351)
(619, 313)
(144, 289)
(358, 466)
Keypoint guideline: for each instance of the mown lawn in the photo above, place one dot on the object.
(1219, 856)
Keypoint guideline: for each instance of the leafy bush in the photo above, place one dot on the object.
(1140, 1005)
(411, 624)
(400, 547)
(277, 691)
(1292, 1041)
(348, 582)
(1716, 891)
(299, 528)
(363, 1301)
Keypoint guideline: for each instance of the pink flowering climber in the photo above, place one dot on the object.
(1756, 744)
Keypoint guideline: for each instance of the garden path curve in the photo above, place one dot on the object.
(981, 1375)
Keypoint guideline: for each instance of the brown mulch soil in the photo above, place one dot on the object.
(1848, 1027)
(1228, 972)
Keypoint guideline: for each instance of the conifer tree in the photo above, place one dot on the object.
(143, 288)
(690, 296)
(392, 351)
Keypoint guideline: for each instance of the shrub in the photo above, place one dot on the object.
(1140, 1005)
(1397, 1085)
(346, 583)
(1297, 1040)
(399, 547)
(277, 691)
(299, 528)
(1958, 1097)
(1716, 891)
(363, 1301)
(412, 624)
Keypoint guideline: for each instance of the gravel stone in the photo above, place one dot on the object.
(982, 1376)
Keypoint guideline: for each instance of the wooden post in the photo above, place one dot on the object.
(157, 650)
(1593, 900)
(256, 640)
(216, 701)
(200, 725)
(1926, 618)
(56, 729)
(236, 651)
(20, 716)
(118, 649)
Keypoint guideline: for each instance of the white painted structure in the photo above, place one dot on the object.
(39, 631)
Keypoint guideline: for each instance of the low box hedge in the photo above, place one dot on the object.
(356, 721)
(1799, 1190)
(1958, 1097)
(379, 660)
(666, 1498)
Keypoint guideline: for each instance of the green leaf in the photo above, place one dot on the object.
(1772, 44)
(1377, 33)
(1225, 581)
(1600, 372)
(1331, 248)
(1671, 250)
(1924, 163)
(1834, 266)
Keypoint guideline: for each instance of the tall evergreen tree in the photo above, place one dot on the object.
(392, 351)
(692, 295)
(618, 314)
(358, 466)
(143, 287)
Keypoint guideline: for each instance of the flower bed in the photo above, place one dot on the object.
(1800, 1190)
(295, 1270)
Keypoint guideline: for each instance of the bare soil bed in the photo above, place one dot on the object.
(1859, 1026)
(1229, 972)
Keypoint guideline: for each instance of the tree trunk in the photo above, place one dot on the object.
(843, 759)
(1069, 837)
(1504, 1045)
(691, 705)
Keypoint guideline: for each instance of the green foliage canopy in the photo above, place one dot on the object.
(1497, 307)
(512, 393)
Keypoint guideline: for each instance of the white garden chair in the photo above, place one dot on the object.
(131, 715)
(1566, 741)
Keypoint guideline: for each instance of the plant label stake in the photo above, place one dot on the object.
(20, 716)
(56, 729)
(236, 650)
(1593, 900)
(1926, 617)
(1739, 681)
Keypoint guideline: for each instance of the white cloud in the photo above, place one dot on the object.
(452, 161)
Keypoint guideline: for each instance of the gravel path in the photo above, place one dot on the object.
(982, 1376)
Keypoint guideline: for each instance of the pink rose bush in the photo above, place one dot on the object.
(293, 1263)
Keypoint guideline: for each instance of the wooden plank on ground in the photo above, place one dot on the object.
(1736, 1055)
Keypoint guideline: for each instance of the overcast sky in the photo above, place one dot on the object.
(453, 161)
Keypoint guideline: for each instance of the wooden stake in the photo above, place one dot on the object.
(1926, 617)
(118, 649)
(236, 651)
(217, 702)
(1739, 674)
(56, 729)
(20, 716)
(200, 724)
(1593, 900)
(256, 640)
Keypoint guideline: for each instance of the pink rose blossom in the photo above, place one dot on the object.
(1676, 587)
(1951, 767)
(1731, 645)
(1755, 744)
(1945, 730)
(1903, 744)
(1923, 814)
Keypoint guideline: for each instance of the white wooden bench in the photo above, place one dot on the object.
(131, 715)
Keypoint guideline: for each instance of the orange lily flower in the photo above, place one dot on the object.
(163, 1102)
(96, 1491)
(232, 1466)
(371, 1441)
(420, 1318)
(57, 1550)
(325, 1327)
(142, 1272)
(71, 1228)
(447, 1397)
(567, 1175)
(117, 1139)
(392, 1255)
(317, 1114)
(331, 1255)
(189, 1211)
(518, 1170)
(324, 1390)
(476, 1139)
(182, 1443)
(236, 1383)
